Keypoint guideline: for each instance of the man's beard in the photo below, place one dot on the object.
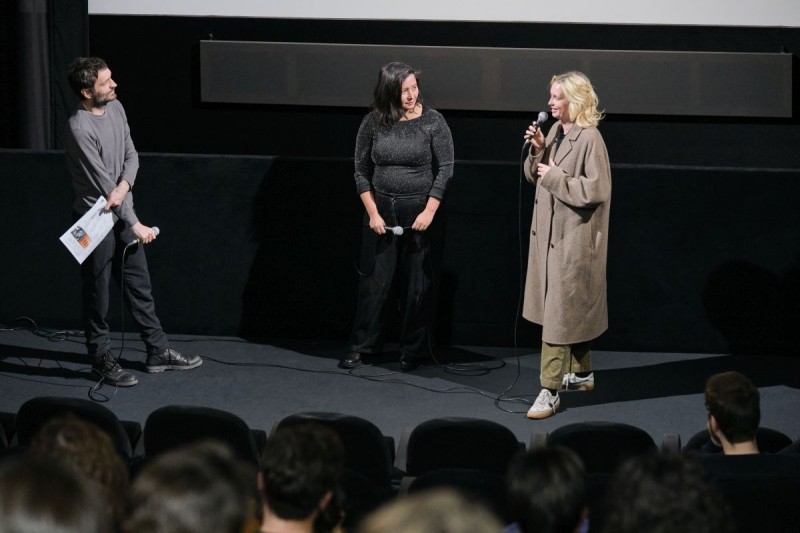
(99, 100)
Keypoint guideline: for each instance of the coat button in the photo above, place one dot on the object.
(552, 245)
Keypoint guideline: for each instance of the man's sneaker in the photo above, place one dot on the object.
(573, 382)
(545, 405)
(113, 374)
(171, 359)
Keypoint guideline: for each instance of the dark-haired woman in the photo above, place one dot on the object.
(403, 163)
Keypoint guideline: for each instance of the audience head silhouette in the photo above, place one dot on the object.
(301, 470)
(439, 510)
(665, 493)
(38, 495)
(547, 491)
(734, 412)
(199, 488)
(87, 450)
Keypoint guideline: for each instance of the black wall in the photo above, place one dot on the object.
(260, 220)
(699, 260)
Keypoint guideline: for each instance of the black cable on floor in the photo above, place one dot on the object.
(58, 336)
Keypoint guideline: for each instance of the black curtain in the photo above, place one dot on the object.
(8, 53)
(39, 38)
(68, 28)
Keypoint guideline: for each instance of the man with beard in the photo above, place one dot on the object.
(102, 161)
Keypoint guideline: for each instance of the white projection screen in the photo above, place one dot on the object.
(674, 12)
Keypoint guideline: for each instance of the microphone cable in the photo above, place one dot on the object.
(478, 369)
(356, 264)
(52, 336)
(460, 369)
(502, 396)
(94, 392)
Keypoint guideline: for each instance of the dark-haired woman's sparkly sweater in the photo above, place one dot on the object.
(409, 157)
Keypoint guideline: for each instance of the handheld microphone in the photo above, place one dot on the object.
(541, 119)
(397, 230)
(137, 241)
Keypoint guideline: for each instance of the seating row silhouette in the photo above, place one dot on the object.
(449, 442)
(471, 454)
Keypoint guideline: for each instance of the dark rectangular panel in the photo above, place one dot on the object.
(500, 79)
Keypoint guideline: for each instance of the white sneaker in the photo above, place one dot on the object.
(545, 405)
(573, 382)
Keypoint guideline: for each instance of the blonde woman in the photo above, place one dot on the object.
(565, 288)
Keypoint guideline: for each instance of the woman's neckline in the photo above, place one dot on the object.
(414, 116)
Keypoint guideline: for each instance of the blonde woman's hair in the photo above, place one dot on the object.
(581, 97)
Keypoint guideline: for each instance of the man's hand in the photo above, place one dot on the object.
(145, 234)
(117, 195)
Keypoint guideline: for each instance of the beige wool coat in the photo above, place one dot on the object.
(565, 288)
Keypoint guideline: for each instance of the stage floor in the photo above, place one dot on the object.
(263, 382)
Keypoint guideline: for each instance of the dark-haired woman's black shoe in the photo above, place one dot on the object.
(408, 362)
(352, 360)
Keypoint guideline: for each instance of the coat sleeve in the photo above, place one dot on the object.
(530, 165)
(589, 184)
(534, 159)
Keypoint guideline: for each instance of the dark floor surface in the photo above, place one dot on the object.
(263, 382)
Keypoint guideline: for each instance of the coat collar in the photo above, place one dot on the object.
(568, 142)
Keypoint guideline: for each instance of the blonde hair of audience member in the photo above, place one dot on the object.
(41, 495)
(87, 450)
(582, 99)
(438, 510)
(301, 470)
(198, 488)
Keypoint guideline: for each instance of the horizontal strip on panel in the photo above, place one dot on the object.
(720, 84)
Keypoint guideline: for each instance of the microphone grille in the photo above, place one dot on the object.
(156, 230)
(542, 117)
